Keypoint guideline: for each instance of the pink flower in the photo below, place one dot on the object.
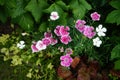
(65, 39)
(33, 47)
(68, 51)
(64, 30)
(48, 35)
(53, 41)
(40, 46)
(66, 60)
(46, 41)
(61, 30)
(95, 16)
(57, 30)
(80, 25)
(88, 32)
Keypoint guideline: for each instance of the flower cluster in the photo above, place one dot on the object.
(66, 60)
(85, 29)
(42, 44)
(63, 33)
(89, 32)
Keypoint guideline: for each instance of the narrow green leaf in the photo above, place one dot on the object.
(115, 4)
(115, 54)
(117, 65)
(113, 17)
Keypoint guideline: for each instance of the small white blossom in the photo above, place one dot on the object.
(97, 42)
(40, 46)
(54, 15)
(101, 30)
(21, 44)
(23, 34)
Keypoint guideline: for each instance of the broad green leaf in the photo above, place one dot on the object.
(43, 27)
(62, 5)
(115, 54)
(3, 16)
(36, 8)
(19, 9)
(62, 15)
(117, 65)
(115, 4)
(79, 8)
(25, 21)
(2, 2)
(113, 17)
(85, 4)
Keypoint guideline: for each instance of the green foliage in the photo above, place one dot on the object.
(114, 17)
(79, 8)
(115, 54)
(117, 65)
(36, 7)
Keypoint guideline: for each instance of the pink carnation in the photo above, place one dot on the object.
(57, 30)
(40, 46)
(33, 47)
(53, 41)
(65, 39)
(95, 16)
(88, 32)
(66, 60)
(46, 41)
(64, 30)
(80, 25)
(61, 30)
(48, 35)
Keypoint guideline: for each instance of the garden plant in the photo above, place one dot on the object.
(59, 39)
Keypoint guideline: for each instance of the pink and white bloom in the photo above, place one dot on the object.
(46, 41)
(53, 41)
(68, 51)
(61, 30)
(57, 31)
(66, 60)
(54, 15)
(48, 35)
(64, 30)
(40, 45)
(33, 47)
(97, 42)
(95, 16)
(101, 30)
(80, 25)
(65, 39)
(88, 32)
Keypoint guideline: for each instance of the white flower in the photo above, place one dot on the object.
(54, 15)
(40, 46)
(21, 44)
(23, 34)
(100, 30)
(97, 42)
